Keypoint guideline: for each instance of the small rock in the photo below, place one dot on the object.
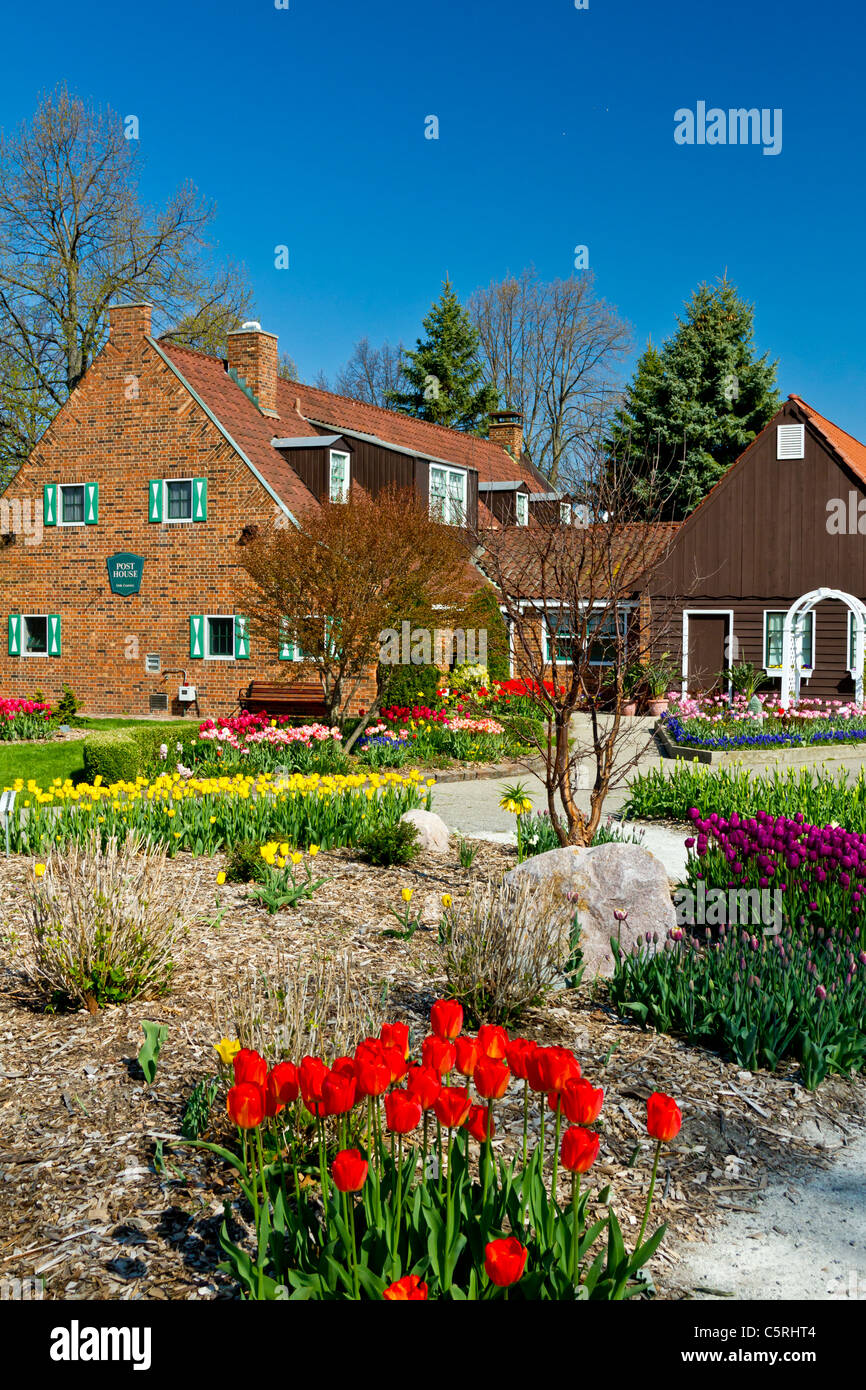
(433, 833)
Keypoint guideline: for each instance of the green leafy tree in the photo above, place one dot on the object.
(443, 379)
(694, 406)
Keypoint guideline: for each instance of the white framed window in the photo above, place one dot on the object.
(34, 634)
(774, 627)
(338, 478)
(565, 513)
(601, 632)
(448, 494)
(521, 508)
(790, 441)
(177, 500)
(71, 504)
(219, 636)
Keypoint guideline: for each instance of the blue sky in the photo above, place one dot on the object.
(556, 126)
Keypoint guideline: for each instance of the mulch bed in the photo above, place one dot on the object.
(86, 1205)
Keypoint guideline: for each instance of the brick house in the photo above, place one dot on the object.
(119, 571)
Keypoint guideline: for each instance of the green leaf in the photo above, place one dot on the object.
(155, 1035)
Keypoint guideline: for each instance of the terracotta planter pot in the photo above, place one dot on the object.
(657, 707)
(629, 707)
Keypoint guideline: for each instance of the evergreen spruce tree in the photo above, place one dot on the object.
(697, 403)
(443, 375)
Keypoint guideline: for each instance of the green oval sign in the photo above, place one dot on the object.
(124, 572)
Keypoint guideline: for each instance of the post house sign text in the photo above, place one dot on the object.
(124, 572)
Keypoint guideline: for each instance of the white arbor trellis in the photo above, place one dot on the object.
(792, 641)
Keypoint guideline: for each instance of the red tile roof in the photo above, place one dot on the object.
(300, 406)
(244, 423)
(553, 562)
(846, 446)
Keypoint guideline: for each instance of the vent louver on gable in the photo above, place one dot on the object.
(790, 441)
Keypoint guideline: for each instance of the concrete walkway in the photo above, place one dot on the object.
(472, 809)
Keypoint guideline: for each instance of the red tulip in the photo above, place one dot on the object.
(250, 1066)
(516, 1055)
(493, 1041)
(663, 1117)
(311, 1074)
(579, 1149)
(344, 1066)
(349, 1170)
(452, 1107)
(374, 1077)
(424, 1084)
(581, 1102)
(402, 1112)
(478, 1125)
(409, 1289)
(396, 1060)
(281, 1087)
(549, 1068)
(491, 1078)
(245, 1104)
(467, 1054)
(438, 1054)
(505, 1261)
(338, 1093)
(446, 1019)
(396, 1035)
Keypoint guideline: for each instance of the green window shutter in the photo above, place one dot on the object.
(154, 499)
(53, 634)
(289, 650)
(196, 635)
(199, 499)
(49, 504)
(14, 634)
(242, 639)
(91, 503)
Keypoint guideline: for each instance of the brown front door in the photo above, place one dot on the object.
(707, 638)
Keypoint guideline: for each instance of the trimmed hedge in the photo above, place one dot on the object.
(113, 755)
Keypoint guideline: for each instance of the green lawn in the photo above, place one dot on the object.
(45, 761)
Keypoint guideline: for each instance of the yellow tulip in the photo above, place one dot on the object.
(313, 851)
(39, 870)
(227, 1049)
(446, 899)
(406, 895)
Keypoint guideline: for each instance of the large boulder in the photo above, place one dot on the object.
(603, 879)
(433, 833)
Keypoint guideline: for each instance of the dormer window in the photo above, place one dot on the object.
(338, 486)
(448, 494)
(521, 508)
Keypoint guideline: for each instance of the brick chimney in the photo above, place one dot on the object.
(506, 430)
(128, 324)
(252, 354)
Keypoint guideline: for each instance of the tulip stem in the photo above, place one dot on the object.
(349, 1217)
(575, 1229)
(395, 1258)
(487, 1156)
(525, 1120)
(555, 1176)
(649, 1196)
(446, 1283)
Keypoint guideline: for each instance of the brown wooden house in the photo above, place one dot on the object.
(787, 519)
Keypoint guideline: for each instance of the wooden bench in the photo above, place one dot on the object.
(273, 697)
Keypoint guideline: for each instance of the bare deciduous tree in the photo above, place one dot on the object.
(551, 349)
(348, 572)
(371, 372)
(583, 632)
(74, 238)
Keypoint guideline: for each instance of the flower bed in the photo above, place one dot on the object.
(423, 733)
(206, 814)
(264, 742)
(24, 719)
(786, 983)
(820, 797)
(715, 723)
(426, 1220)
